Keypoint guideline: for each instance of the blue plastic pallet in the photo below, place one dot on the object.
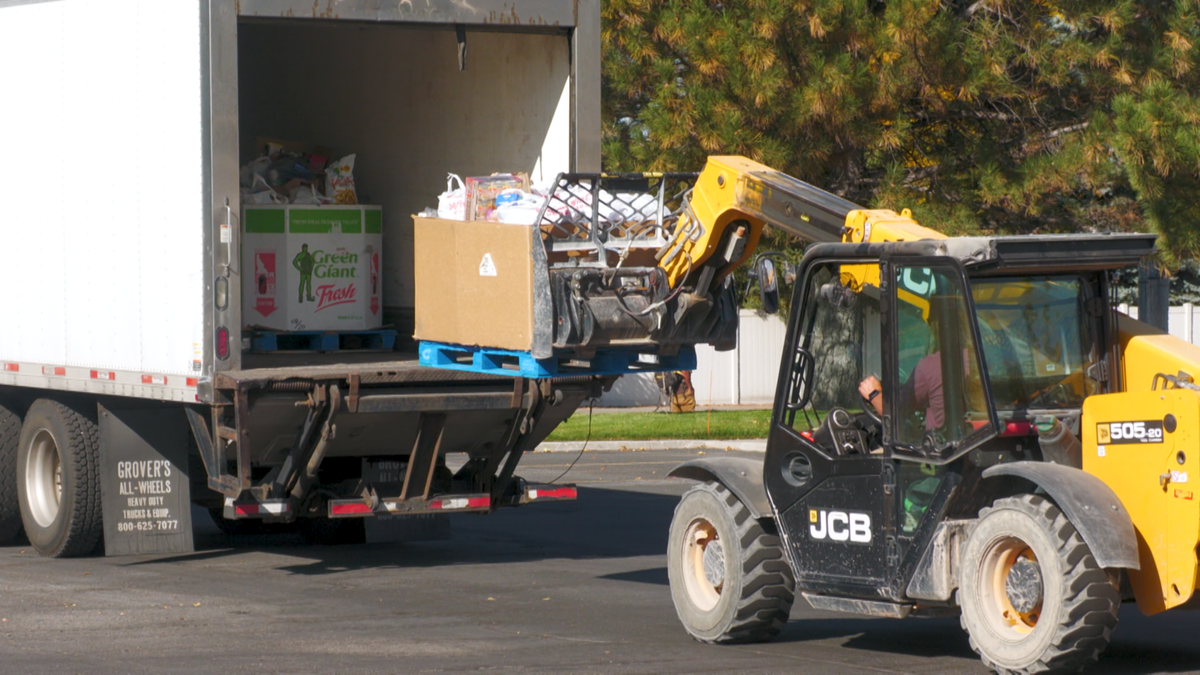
(318, 341)
(507, 362)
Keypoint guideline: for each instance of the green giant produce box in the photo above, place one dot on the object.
(312, 267)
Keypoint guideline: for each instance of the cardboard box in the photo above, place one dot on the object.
(474, 283)
(312, 267)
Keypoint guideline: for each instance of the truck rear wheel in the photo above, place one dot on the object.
(58, 479)
(1033, 598)
(729, 578)
(10, 505)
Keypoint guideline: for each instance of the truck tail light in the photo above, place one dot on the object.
(222, 343)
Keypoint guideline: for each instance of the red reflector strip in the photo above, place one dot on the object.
(48, 370)
(479, 502)
(347, 509)
(191, 382)
(12, 367)
(556, 493)
(261, 509)
(154, 379)
(103, 375)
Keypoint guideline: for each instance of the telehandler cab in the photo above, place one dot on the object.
(1023, 461)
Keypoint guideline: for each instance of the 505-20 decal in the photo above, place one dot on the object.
(1122, 433)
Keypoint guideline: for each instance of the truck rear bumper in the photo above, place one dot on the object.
(248, 508)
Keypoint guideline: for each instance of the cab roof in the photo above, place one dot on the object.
(1013, 254)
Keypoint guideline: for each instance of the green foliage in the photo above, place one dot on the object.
(1008, 116)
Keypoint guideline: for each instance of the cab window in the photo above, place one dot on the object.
(840, 329)
(1034, 333)
(939, 394)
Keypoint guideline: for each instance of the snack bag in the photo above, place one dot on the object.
(339, 181)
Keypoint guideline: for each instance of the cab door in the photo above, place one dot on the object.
(836, 474)
(826, 470)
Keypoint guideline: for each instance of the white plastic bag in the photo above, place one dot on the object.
(261, 193)
(452, 204)
(518, 208)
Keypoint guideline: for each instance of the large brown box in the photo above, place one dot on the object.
(474, 283)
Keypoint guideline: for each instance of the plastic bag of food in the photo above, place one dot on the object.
(260, 192)
(517, 207)
(258, 168)
(306, 194)
(339, 181)
(452, 204)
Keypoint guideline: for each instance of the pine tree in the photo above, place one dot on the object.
(1007, 116)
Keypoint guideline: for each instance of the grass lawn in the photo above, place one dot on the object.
(724, 424)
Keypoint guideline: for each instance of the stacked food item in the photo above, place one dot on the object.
(287, 174)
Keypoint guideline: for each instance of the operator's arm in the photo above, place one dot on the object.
(871, 389)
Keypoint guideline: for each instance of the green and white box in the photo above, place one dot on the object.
(312, 267)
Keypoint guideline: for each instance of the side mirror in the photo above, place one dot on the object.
(768, 285)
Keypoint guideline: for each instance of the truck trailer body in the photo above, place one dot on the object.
(126, 377)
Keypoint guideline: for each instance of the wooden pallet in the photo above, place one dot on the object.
(320, 341)
(517, 363)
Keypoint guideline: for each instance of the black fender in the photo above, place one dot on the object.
(1089, 503)
(743, 477)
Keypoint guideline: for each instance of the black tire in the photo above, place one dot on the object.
(10, 503)
(1061, 622)
(714, 537)
(58, 479)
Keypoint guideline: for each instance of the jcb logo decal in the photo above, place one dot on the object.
(1121, 433)
(851, 526)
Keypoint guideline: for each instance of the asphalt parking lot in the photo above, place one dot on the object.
(567, 587)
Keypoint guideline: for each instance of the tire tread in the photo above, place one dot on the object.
(1091, 596)
(10, 505)
(85, 524)
(768, 588)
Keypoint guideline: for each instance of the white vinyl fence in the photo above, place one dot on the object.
(747, 375)
(1183, 321)
(743, 376)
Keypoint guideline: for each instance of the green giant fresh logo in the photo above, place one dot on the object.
(323, 265)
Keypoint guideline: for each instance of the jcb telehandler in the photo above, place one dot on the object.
(1022, 455)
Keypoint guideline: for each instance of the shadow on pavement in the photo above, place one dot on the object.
(654, 575)
(602, 523)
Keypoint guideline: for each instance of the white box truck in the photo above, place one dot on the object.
(125, 391)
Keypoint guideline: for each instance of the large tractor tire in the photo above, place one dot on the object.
(58, 479)
(729, 578)
(1033, 598)
(10, 504)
